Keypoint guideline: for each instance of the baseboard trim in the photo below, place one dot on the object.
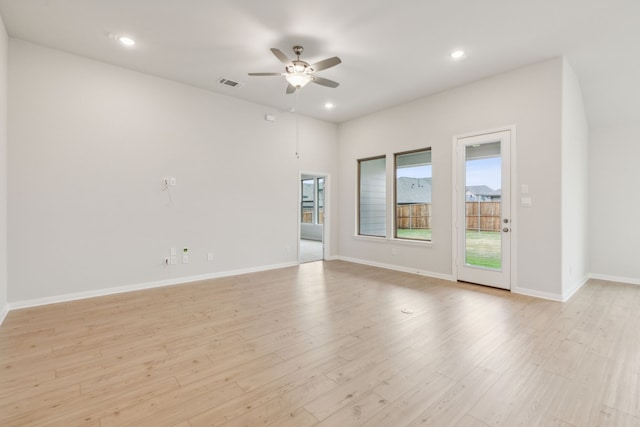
(538, 294)
(398, 268)
(566, 296)
(3, 313)
(141, 286)
(619, 279)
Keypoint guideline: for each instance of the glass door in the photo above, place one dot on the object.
(484, 224)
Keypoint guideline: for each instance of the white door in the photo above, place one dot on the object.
(483, 225)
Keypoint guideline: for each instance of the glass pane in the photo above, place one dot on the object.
(483, 173)
(320, 215)
(372, 198)
(413, 195)
(308, 197)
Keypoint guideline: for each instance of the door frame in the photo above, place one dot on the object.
(513, 196)
(327, 220)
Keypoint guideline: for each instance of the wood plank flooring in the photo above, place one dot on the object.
(325, 344)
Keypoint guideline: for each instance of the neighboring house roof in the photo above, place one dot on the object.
(414, 190)
(483, 190)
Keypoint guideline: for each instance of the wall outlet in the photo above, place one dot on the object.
(173, 251)
(185, 259)
(174, 260)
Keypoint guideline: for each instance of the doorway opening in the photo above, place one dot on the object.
(312, 218)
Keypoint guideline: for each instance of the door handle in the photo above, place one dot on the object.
(506, 229)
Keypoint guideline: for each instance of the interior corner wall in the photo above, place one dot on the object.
(530, 99)
(575, 178)
(614, 150)
(89, 146)
(3, 170)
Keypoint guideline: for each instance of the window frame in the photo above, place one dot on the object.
(395, 193)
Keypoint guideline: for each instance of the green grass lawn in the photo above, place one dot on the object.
(483, 247)
(417, 233)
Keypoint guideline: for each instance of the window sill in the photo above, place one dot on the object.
(370, 238)
(407, 242)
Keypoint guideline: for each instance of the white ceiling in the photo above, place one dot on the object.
(393, 51)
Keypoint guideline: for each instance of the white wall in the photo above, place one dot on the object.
(3, 170)
(530, 98)
(89, 145)
(575, 178)
(614, 204)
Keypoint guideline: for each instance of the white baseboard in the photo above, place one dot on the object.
(566, 296)
(141, 286)
(398, 268)
(3, 313)
(619, 279)
(537, 294)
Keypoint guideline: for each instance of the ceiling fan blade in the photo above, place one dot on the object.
(291, 89)
(265, 74)
(327, 63)
(324, 82)
(281, 56)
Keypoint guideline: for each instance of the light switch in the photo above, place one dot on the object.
(526, 201)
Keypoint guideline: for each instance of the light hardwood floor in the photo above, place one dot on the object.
(325, 344)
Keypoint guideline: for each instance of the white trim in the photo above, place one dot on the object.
(3, 313)
(537, 294)
(326, 224)
(411, 242)
(398, 268)
(377, 239)
(513, 253)
(619, 279)
(141, 286)
(566, 296)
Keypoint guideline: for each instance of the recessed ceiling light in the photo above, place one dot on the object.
(458, 54)
(329, 105)
(127, 41)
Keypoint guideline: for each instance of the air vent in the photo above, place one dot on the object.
(229, 83)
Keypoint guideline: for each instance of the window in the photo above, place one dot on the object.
(413, 195)
(372, 197)
(312, 209)
(308, 201)
(320, 206)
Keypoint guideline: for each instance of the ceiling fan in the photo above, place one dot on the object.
(298, 73)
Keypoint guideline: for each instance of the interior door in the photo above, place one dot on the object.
(484, 209)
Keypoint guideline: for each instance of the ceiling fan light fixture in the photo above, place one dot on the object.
(298, 80)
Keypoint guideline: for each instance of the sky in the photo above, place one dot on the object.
(484, 172)
(479, 172)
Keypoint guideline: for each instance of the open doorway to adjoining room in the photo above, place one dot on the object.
(312, 219)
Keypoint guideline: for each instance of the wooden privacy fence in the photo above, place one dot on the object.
(481, 216)
(414, 216)
(307, 215)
